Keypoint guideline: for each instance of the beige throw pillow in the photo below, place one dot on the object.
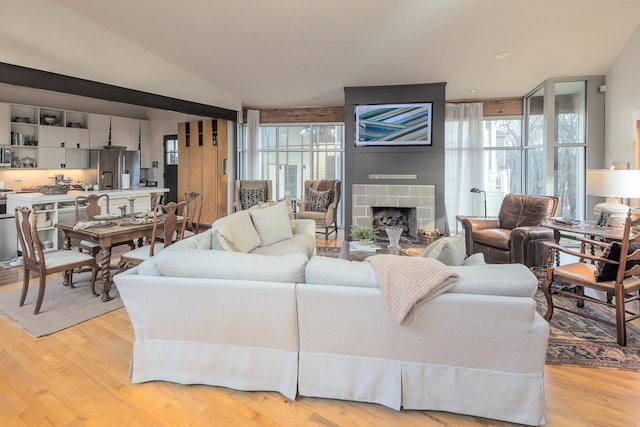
(239, 231)
(272, 223)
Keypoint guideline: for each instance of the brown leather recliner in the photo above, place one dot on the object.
(514, 236)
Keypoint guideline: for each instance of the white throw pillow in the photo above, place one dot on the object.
(272, 223)
(232, 265)
(448, 250)
(323, 270)
(474, 259)
(238, 229)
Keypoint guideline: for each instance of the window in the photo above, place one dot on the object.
(502, 160)
(556, 144)
(171, 149)
(290, 154)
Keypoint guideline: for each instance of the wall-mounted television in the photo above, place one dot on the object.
(393, 124)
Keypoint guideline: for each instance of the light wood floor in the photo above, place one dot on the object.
(79, 377)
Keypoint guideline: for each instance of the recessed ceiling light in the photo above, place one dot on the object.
(502, 55)
(303, 67)
(473, 90)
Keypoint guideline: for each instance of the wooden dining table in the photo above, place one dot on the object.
(114, 231)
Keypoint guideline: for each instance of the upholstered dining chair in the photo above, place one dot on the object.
(165, 216)
(249, 193)
(44, 263)
(515, 235)
(615, 270)
(320, 203)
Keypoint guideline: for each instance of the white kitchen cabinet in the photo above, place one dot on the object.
(51, 157)
(5, 127)
(77, 138)
(98, 131)
(76, 158)
(121, 132)
(51, 136)
(141, 140)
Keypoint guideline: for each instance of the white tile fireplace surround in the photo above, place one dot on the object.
(367, 196)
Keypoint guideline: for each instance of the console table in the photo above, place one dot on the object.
(586, 229)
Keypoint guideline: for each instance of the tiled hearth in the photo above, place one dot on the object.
(420, 197)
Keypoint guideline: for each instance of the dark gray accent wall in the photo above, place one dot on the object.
(427, 162)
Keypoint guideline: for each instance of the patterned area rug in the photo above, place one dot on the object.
(579, 341)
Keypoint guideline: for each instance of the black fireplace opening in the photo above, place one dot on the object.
(404, 218)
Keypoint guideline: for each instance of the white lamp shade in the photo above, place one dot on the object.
(614, 183)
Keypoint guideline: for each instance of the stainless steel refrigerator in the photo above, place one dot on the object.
(111, 162)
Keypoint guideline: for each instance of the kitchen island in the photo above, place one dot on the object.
(56, 208)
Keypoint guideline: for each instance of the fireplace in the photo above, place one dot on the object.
(410, 206)
(389, 216)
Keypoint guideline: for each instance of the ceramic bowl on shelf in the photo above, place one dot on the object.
(49, 120)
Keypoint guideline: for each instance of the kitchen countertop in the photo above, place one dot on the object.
(71, 195)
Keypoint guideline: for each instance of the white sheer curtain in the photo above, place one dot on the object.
(253, 142)
(463, 160)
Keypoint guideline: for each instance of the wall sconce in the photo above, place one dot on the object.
(484, 194)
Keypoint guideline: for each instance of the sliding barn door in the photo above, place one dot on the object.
(202, 159)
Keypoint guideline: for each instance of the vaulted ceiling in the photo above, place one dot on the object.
(304, 52)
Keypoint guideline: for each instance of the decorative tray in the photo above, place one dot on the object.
(566, 221)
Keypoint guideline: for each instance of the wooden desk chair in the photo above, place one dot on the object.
(170, 227)
(614, 272)
(193, 213)
(44, 263)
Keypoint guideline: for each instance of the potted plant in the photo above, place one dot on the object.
(364, 234)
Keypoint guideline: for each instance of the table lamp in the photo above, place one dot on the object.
(613, 184)
(477, 190)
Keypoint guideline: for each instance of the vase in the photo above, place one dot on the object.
(394, 234)
(364, 242)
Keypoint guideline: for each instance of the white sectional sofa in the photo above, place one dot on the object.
(320, 328)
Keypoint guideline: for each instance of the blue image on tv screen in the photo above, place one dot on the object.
(399, 124)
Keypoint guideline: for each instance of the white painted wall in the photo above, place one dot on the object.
(47, 36)
(622, 100)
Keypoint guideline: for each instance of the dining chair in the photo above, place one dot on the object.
(193, 213)
(93, 209)
(44, 263)
(615, 271)
(165, 222)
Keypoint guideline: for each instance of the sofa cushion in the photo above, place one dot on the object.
(495, 279)
(215, 264)
(272, 223)
(496, 237)
(334, 271)
(252, 196)
(448, 250)
(317, 201)
(299, 243)
(238, 229)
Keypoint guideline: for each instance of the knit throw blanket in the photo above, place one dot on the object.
(407, 281)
